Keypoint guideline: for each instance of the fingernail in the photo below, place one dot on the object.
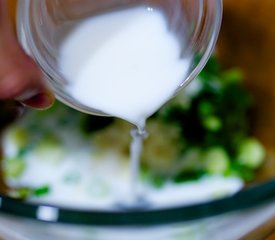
(40, 101)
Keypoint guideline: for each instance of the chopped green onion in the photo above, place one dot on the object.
(251, 153)
(212, 123)
(216, 160)
(41, 191)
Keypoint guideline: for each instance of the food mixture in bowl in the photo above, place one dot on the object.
(199, 148)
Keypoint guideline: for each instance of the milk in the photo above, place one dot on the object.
(126, 64)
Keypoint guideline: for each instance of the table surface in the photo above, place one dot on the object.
(252, 224)
(264, 231)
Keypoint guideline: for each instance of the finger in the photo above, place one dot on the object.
(20, 77)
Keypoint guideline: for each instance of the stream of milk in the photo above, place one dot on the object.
(127, 64)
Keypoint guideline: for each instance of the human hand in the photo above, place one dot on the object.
(20, 77)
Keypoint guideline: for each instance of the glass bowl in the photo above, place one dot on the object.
(24, 220)
(42, 25)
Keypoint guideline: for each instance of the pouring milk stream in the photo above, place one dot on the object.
(127, 64)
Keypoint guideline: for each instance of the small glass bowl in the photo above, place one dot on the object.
(42, 24)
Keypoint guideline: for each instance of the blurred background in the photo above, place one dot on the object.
(247, 41)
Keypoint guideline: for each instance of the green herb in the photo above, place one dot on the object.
(217, 123)
(189, 176)
(216, 160)
(251, 153)
(41, 191)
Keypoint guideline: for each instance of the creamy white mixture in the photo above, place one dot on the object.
(81, 176)
(125, 63)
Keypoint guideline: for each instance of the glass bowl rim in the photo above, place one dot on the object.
(244, 199)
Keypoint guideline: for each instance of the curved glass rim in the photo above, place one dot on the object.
(210, 48)
(244, 199)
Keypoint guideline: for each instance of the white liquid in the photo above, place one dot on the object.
(101, 178)
(127, 64)
(136, 150)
